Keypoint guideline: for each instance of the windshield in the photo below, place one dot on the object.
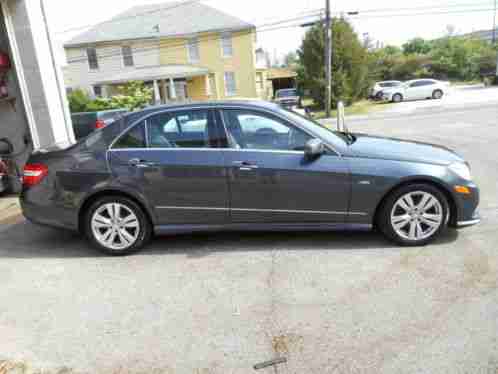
(286, 93)
(335, 138)
(389, 84)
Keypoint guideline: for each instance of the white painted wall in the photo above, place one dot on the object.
(77, 73)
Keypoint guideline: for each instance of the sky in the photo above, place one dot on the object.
(386, 21)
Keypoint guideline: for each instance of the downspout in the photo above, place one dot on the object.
(14, 49)
(64, 105)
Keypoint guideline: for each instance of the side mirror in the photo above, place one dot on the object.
(314, 148)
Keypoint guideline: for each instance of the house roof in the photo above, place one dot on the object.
(278, 73)
(160, 20)
(155, 72)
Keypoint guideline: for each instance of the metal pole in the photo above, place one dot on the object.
(494, 24)
(328, 58)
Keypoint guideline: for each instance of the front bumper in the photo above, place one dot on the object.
(467, 207)
(476, 219)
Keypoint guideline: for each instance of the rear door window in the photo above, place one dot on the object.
(183, 129)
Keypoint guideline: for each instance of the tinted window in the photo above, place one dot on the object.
(186, 129)
(134, 138)
(253, 130)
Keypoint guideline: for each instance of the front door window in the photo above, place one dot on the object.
(254, 130)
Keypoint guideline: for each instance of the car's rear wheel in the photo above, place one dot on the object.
(397, 98)
(437, 94)
(414, 215)
(117, 226)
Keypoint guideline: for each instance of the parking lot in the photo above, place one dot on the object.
(220, 303)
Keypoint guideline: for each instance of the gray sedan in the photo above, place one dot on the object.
(244, 166)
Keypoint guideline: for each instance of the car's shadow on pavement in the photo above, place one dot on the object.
(25, 240)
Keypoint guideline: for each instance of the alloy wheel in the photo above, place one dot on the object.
(417, 215)
(115, 226)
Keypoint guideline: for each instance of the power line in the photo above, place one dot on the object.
(120, 19)
(423, 13)
(261, 28)
(426, 7)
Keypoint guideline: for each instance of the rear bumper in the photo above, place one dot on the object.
(39, 206)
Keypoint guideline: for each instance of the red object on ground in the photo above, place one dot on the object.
(34, 173)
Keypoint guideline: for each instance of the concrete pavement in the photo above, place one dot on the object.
(329, 302)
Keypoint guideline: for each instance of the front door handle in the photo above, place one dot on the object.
(138, 163)
(245, 165)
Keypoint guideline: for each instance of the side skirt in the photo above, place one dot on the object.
(275, 227)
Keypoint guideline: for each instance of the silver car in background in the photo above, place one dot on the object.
(417, 89)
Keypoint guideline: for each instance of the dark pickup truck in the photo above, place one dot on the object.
(85, 123)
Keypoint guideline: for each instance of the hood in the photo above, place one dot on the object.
(401, 150)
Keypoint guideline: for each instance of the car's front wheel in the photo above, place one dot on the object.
(117, 226)
(414, 215)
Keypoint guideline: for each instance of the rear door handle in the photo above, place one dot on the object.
(138, 163)
(245, 165)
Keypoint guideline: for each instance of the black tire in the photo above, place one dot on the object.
(397, 98)
(383, 219)
(437, 94)
(144, 230)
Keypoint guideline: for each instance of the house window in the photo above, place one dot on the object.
(230, 86)
(97, 91)
(127, 55)
(193, 50)
(93, 61)
(259, 81)
(226, 45)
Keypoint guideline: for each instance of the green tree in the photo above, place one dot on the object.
(78, 101)
(290, 60)
(350, 78)
(132, 96)
(417, 46)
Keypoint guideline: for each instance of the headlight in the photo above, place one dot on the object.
(462, 170)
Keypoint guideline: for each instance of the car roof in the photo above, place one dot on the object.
(254, 104)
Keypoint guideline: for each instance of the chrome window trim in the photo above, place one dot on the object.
(219, 108)
(207, 150)
(262, 210)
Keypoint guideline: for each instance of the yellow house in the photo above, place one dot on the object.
(184, 51)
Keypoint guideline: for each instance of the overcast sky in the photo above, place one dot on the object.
(375, 17)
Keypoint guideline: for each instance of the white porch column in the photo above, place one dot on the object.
(165, 90)
(172, 89)
(208, 85)
(157, 94)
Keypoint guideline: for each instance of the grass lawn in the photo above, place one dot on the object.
(358, 108)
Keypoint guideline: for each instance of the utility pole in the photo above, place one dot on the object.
(328, 58)
(494, 24)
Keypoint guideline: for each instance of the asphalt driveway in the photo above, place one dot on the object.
(328, 302)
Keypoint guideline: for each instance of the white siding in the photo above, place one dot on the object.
(77, 73)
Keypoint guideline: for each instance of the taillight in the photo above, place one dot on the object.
(34, 173)
(99, 124)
